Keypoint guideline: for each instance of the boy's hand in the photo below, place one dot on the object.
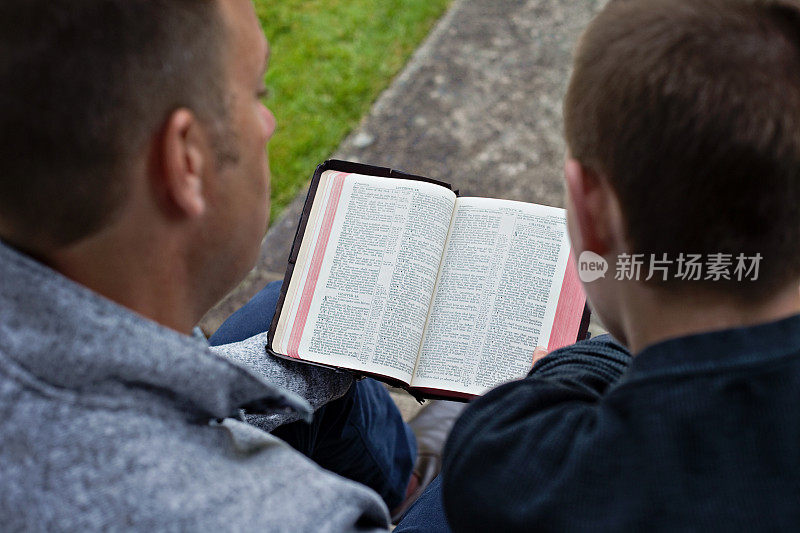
(538, 353)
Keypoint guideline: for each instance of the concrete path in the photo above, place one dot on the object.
(478, 106)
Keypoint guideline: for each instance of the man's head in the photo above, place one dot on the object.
(689, 112)
(84, 86)
(128, 125)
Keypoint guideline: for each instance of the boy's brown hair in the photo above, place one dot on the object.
(691, 110)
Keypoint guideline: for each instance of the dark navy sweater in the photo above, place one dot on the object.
(693, 434)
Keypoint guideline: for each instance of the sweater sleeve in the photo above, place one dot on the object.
(316, 384)
(518, 438)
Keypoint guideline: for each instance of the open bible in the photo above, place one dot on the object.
(395, 276)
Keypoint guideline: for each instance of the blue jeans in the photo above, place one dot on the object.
(360, 436)
(427, 513)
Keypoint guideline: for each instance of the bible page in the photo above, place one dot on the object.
(365, 274)
(496, 294)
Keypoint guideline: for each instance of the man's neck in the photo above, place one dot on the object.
(143, 274)
(654, 315)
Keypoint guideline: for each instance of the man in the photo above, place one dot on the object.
(682, 121)
(134, 190)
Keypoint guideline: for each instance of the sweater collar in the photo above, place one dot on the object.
(716, 350)
(71, 338)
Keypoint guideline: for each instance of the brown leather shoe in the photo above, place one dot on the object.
(431, 426)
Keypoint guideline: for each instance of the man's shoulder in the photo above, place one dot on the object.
(74, 462)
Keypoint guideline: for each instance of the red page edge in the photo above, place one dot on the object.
(569, 309)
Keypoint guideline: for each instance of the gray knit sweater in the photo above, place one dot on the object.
(110, 421)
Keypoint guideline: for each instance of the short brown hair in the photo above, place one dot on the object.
(691, 109)
(84, 84)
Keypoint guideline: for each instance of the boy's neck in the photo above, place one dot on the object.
(652, 315)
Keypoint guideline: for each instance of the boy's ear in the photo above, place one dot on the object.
(596, 212)
(185, 152)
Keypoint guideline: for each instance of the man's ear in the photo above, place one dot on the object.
(596, 213)
(185, 153)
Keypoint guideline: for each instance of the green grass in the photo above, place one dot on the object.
(330, 60)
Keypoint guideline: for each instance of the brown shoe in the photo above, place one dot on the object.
(431, 426)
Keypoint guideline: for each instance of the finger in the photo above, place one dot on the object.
(538, 353)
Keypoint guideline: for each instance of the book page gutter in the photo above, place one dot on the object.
(371, 275)
(496, 295)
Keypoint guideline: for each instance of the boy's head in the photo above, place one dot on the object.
(689, 112)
